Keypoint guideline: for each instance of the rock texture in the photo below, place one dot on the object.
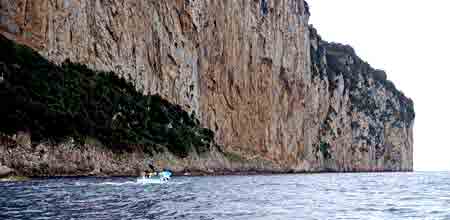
(5, 171)
(254, 71)
(366, 123)
(68, 158)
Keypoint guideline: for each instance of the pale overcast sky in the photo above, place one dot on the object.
(409, 39)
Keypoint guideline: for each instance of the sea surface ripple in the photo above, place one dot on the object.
(418, 195)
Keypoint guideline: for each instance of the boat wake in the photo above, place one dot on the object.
(118, 184)
(151, 181)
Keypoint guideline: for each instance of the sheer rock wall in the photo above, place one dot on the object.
(253, 71)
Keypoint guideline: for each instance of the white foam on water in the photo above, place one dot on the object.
(150, 181)
(118, 184)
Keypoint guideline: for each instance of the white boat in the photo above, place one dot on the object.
(161, 177)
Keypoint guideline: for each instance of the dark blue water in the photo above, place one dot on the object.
(422, 195)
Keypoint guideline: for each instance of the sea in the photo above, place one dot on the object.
(416, 195)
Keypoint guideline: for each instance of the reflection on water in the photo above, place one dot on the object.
(422, 195)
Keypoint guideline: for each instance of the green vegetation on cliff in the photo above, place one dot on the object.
(54, 102)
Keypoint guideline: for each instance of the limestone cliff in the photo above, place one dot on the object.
(254, 72)
(367, 123)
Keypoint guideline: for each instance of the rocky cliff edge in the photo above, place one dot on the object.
(254, 72)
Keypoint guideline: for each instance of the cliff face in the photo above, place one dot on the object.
(368, 124)
(252, 71)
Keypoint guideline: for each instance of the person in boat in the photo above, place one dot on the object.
(151, 171)
(165, 174)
